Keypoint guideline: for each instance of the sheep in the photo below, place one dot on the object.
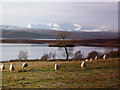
(104, 57)
(83, 65)
(96, 57)
(2, 67)
(24, 65)
(86, 60)
(11, 68)
(91, 59)
(57, 66)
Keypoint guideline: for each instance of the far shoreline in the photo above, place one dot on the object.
(76, 42)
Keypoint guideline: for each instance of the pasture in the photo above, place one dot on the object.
(41, 74)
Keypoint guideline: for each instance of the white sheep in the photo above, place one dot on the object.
(24, 65)
(83, 65)
(11, 68)
(104, 57)
(2, 67)
(57, 66)
(86, 60)
(96, 57)
(91, 59)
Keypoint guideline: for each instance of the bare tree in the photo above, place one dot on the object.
(45, 56)
(93, 54)
(77, 55)
(52, 54)
(23, 55)
(63, 42)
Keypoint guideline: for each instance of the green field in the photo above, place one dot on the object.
(98, 74)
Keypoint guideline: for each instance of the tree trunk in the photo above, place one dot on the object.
(66, 51)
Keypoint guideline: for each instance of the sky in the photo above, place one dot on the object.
(59, 0)
(104, 15)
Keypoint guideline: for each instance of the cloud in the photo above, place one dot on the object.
(87, 13)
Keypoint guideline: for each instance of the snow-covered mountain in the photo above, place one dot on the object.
(55, 26)
(8, 27)
(61, 27)
(37, 26)
(46, 31)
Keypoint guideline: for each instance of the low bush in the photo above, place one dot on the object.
(114, 54)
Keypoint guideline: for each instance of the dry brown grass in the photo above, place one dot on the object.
(98, 74)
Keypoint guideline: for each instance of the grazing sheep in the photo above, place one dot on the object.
(96, 57)
(2, 67)
(11, 68)
(86, 60)
(83, 65)
(91, 59)
(104, 57)
(25, 65)
(57, 66)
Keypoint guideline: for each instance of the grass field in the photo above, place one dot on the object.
(98, 74)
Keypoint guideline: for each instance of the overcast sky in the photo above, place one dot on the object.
(101, 14)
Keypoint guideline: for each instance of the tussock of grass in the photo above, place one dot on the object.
(98, 74)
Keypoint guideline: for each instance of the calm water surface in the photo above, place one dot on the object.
(35, 51)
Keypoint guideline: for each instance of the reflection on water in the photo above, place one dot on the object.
(35, 51)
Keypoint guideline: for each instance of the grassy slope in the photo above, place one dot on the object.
(99, 74)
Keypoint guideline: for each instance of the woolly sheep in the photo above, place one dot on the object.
(96, 57)
(83, 65)
(57, 66)
(2, 67)
(91, 59)
(25, 65)
(86, 59)
(11, 68)
(104, 57)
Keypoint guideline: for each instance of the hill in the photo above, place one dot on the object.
(51, 34)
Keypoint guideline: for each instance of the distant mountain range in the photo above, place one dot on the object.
(51, 26)
(50, 31)
(58, 27)
(55, 26)
(50, 34)
(8, 27)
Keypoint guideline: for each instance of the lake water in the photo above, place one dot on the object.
(35, 51)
